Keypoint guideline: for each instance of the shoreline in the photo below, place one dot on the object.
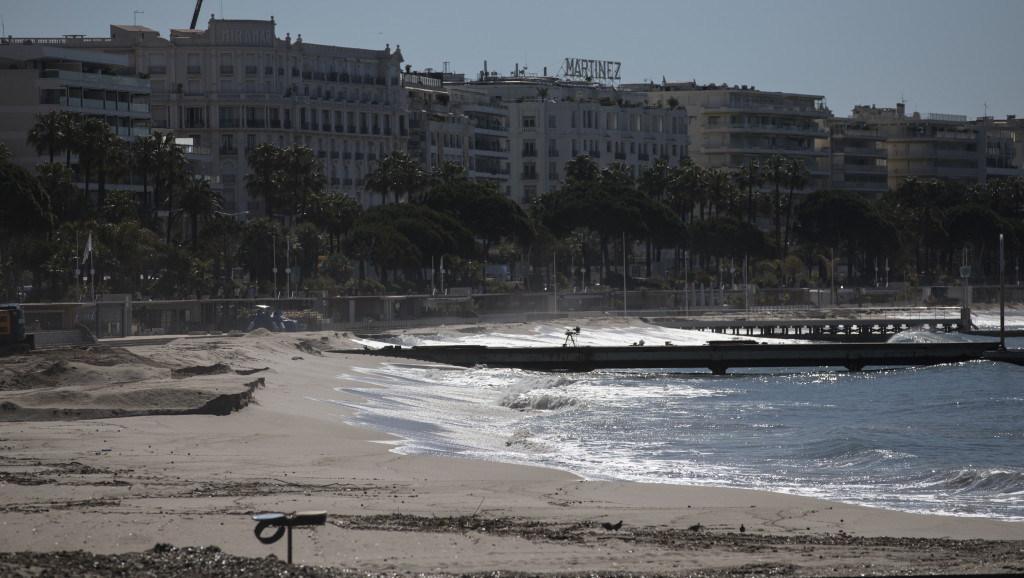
(114, 486)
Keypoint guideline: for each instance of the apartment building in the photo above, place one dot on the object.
(551, 121)
(732, 125)
(859, 159)
(944, 146)
(39, 75)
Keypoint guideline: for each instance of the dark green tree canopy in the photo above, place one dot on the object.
(488, 214)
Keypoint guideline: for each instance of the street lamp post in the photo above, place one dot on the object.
(273, 244)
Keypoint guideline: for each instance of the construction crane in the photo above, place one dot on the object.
(195, 16)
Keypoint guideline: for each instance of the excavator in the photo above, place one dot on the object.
(195, 16)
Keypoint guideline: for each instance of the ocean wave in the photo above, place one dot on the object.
(525, 440)
(541, 401)
(984, 482)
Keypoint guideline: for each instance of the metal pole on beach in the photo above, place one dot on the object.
(625, 272)
(1002, 297)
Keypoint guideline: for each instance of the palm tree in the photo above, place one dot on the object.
(750, 177)
(48, 133)
(172, 169)
(775, 169)
(797, 177)
(199, 201)
(144, 152)
(111, 163)
(617, 174)
(397, 172)
(654, 179)
(583, 168)
(264, 161)
(339, 213)
(448, 172)
(717, 190)
(91, 144)
(301, 175)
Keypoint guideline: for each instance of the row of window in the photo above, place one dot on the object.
(591, 119)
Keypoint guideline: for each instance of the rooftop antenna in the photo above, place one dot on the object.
(135, 14)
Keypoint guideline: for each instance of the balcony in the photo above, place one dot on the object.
(360, 156)
(529, 176)
(529, 153)
(230, 123)
(255, 123)
(158, 70)
(620, 156)
(229, 69)
(346, 155)
(250, 70)
(334, 154)
(335, 181)
(193, 70)
(268, 70)
(276, 123)
(228, 150)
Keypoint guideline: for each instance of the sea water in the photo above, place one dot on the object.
(945, 439)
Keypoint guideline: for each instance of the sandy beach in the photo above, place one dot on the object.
(146, 454)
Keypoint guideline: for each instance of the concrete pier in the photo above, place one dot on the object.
(716, 356)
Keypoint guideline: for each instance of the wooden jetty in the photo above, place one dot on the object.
(717, 356)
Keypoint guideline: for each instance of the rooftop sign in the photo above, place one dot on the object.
(600, 70)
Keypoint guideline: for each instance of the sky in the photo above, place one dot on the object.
(957, 57)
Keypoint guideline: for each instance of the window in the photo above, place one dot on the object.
(194, 117)
(193, 64)
(552, 121)
(529, 122)
(226, 66)
(156, 64)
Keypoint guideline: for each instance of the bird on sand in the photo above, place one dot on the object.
(610, 526)
(742, 528)
(697, 527)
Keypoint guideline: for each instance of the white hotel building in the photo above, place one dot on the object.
(236, 85)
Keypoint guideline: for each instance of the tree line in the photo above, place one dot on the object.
(170, 237)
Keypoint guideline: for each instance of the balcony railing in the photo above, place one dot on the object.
(193, 70)
(228, 69)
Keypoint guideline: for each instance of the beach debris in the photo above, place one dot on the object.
(612, 527)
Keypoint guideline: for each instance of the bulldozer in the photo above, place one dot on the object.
(13, 336)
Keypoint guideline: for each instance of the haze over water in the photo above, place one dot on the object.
(945, 439)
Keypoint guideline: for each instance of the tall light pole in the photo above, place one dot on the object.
(273, 245)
